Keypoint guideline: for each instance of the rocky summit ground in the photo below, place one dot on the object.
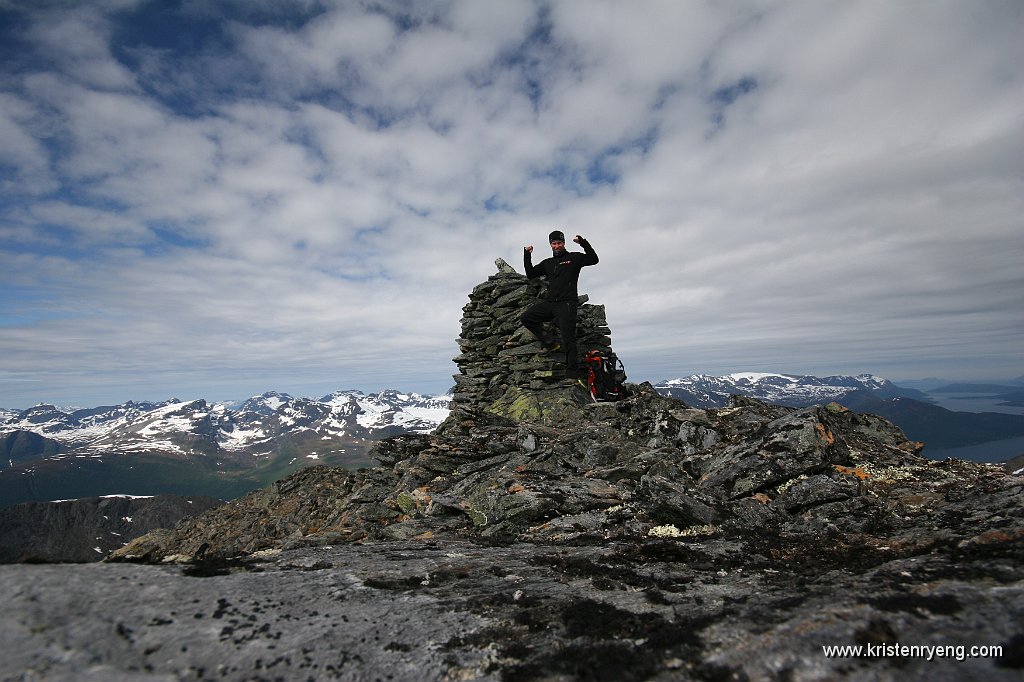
(639, 540)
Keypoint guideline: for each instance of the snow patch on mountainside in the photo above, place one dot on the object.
(754, 377)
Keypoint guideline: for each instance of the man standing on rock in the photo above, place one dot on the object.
(563, 272)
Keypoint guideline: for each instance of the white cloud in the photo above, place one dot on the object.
(802, 187)
(21, 150)
(77, 38)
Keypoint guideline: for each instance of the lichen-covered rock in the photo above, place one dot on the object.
(615, 471)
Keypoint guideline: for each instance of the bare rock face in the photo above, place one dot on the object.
(21, 446)
(538, 535)
(88, 529)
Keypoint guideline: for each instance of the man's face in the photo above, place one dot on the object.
(558, 246)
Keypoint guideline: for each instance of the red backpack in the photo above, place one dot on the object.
(605, 376)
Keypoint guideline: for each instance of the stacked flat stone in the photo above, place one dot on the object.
(498, 353)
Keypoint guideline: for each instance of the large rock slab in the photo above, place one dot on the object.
(674, 608)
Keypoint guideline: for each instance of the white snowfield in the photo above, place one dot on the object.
(754, 377)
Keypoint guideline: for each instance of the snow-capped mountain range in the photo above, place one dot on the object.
(254, 426)
(227, 449)
(702, 390)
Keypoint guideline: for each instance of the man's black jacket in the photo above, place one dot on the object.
(563, 271)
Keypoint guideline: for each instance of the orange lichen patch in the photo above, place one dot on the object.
(825, 434)
(852, 471)
(993, 537)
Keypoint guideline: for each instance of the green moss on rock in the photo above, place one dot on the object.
(556, 406)
(478, 517)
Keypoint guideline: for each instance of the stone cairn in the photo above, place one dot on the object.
(499, 355)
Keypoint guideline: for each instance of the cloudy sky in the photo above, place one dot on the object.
(215, 198)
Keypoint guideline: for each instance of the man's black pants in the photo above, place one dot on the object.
(564, 315)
